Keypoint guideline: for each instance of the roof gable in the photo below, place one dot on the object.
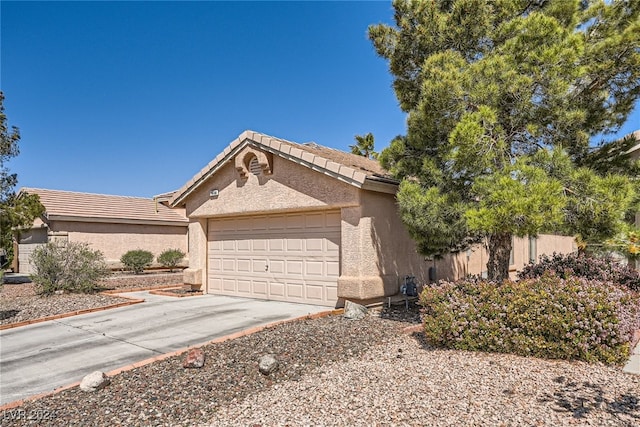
(355, 170)
(89, 207)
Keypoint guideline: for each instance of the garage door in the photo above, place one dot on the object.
(287, 257)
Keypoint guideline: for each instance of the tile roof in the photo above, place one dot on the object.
(351, 168)
(70, 205)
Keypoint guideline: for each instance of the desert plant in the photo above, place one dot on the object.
(137, 260)
(171, 258)
(67, 266)
(582, 265)
(547, 317)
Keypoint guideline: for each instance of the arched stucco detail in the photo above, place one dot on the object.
(242, 160)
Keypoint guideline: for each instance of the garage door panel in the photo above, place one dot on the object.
(288, 257)
(276, 245)
(277, 267)
(215, 283)
(314, 268)
(333, 244)
(315, 292)
(294, 267)
(259, 265)
(295, 290)
(259, 288)
(244, 266)
(333, 268)
(276, 289)
(259, 245)
(295, 221)
(244, 287)
(294, 245)
(215, 264)
(229, 285)
(315, 244)
(315, 220)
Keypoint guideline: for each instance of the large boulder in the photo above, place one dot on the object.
(267, 364)
(354, 311)
(94, 381)
(194, 359)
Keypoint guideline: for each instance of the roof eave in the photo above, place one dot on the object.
(73, 218)
(314, 162)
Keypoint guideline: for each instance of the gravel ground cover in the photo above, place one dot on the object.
(19, 302)
(339, 372)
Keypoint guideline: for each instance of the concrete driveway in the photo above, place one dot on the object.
(42, 357)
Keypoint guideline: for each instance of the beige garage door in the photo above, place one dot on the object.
(287, 257)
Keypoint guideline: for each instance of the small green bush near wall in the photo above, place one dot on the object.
(171, 258)
(67, 266)
(547, 317)
(137, 260)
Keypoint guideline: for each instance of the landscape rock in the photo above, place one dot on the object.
(354, 311)
(194, 359)
(96, 380)
(267, 364)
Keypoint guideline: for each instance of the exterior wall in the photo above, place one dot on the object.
(195, 274)
(377, 251)
(114, 240)
(474, 261)
(289, 187)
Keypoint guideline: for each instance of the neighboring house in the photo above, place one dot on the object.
(274, 219)
(111, 224)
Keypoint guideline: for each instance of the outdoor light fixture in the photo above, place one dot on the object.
(214, 193)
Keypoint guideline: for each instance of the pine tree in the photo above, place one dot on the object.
(503, 97)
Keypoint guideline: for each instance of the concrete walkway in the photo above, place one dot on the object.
(42, 357)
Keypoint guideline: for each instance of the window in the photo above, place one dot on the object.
(533, 249)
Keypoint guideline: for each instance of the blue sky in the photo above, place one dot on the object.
(134, 98)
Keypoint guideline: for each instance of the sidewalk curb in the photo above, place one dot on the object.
(160, 357)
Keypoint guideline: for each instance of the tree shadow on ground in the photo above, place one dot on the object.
(581, 399)
(8, 314)
(409, 314)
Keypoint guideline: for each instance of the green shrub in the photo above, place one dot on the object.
(137, 260)
(171, 258)
(548, 317)
(67, 266)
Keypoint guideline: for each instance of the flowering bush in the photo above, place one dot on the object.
(547, 317)
(580, 265)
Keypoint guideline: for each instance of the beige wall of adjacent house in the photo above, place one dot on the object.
(114, 240)
(474, 261)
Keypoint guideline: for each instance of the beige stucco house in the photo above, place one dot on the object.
(111, 224)
(274, 219)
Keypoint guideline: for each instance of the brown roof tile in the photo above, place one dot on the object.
(104, 207)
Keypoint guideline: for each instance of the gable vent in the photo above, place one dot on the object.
(254, 166)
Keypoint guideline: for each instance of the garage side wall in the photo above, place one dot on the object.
(378, 251)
